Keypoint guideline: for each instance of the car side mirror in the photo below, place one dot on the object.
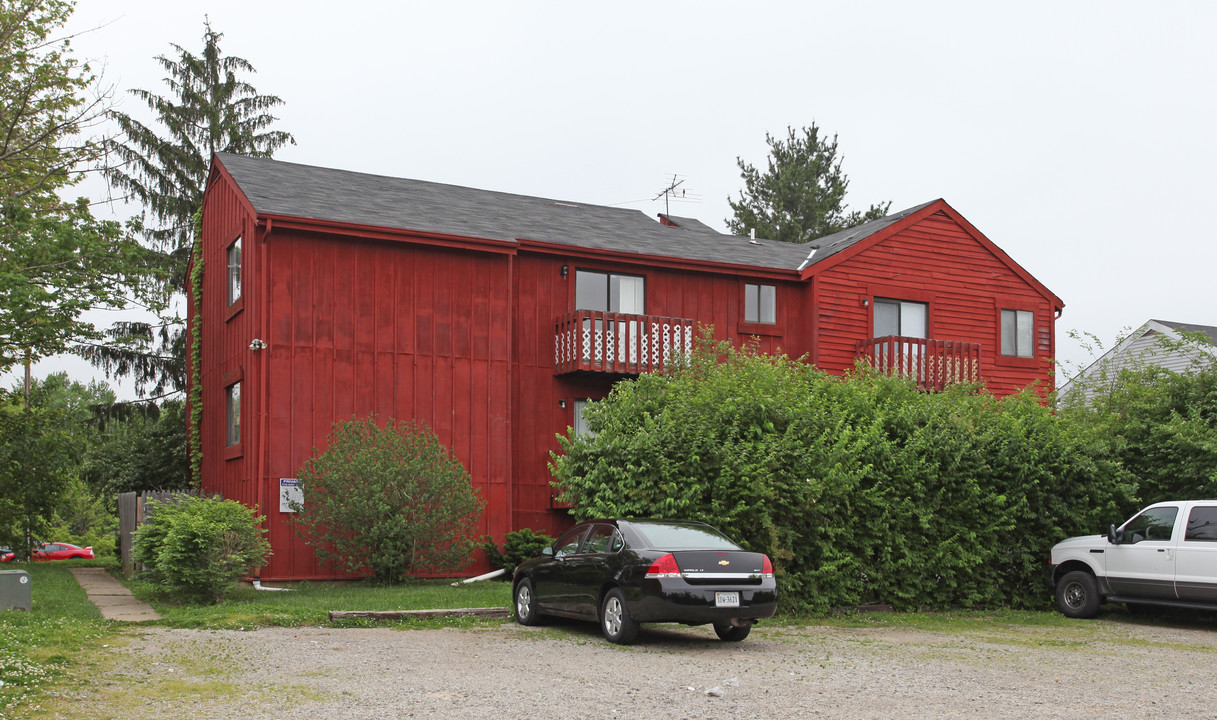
(548, 552)
(1114, 536)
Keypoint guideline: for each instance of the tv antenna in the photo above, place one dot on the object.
(674, 191)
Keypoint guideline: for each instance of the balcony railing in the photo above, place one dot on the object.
(933, 364)
(618, 343)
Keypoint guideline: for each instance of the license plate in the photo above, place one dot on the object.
(726, 599)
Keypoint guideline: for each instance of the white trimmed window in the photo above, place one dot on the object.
(901, 318)
(1017, 333)
(234, 271)
(760, 303)
(232, 403)
(610, 292)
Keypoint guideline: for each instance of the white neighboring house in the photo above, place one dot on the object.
(1159, 343)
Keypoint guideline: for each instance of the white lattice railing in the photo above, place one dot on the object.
(618, 343)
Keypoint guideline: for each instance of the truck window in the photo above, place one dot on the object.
(1202, 524)
(1153, 524)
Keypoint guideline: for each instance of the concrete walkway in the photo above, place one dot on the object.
(112, 597)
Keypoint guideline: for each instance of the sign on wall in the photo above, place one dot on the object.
(289, 494)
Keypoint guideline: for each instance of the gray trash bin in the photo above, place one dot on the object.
(15, 590)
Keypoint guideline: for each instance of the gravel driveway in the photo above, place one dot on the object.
(1103, 668)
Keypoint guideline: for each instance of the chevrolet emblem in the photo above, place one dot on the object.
(724, 562)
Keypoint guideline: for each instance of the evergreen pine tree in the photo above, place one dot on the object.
(801, 196)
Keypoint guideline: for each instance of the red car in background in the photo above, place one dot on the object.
(54, 551)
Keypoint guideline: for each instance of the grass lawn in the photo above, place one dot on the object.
(309, 604)
(44, 647)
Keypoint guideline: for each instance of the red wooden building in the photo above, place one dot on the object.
(494, 317)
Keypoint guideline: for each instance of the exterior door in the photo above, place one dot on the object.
(1196, 556)
(1144, 564)
(551, 581)
(588, 570)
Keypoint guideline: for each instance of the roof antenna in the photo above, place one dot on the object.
(668, 192)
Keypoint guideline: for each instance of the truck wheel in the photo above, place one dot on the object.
(1077, 595)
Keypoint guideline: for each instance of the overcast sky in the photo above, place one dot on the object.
(1077, 136)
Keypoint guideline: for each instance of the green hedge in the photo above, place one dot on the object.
(199, 547)
(861, 489)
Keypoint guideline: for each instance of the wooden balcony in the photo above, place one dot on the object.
(933, 364)
(593, 341)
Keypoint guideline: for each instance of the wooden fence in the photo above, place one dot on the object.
(132, 510)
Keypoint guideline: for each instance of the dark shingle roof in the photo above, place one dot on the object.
(282, 188)
(1208, 330)
(688, 223)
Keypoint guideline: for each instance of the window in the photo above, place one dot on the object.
(760, 303)
(902, 318)
(601, 540)
(234, 271)
(1153, 524)
(233, 403)
(609, 292)
(580, 427)
(568, 544)
(1202, 524)
(1017, 333)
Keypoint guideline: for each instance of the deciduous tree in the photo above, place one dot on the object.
(56, 259)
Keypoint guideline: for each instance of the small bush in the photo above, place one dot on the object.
(199, 547)
(388, 500)
(518, 546)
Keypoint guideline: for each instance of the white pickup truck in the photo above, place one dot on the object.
(1165, 555)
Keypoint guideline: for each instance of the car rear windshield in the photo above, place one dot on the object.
(683, 537)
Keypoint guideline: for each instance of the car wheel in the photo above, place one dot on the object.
(615, 620)
(526, 604)
(1077, 595)
(732, 633)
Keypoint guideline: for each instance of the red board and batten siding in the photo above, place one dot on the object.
(353, 326)
(364, 327)
(942, 261)
(226, 332)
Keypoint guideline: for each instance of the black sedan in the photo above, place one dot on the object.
(624, 572)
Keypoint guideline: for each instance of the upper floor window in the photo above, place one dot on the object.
(760, 303)
(1017, 333)
(234, 271)
(610, 292)
(902, 318)
(233, 405)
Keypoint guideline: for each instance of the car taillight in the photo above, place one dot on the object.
(664, 567)
(766, 567)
